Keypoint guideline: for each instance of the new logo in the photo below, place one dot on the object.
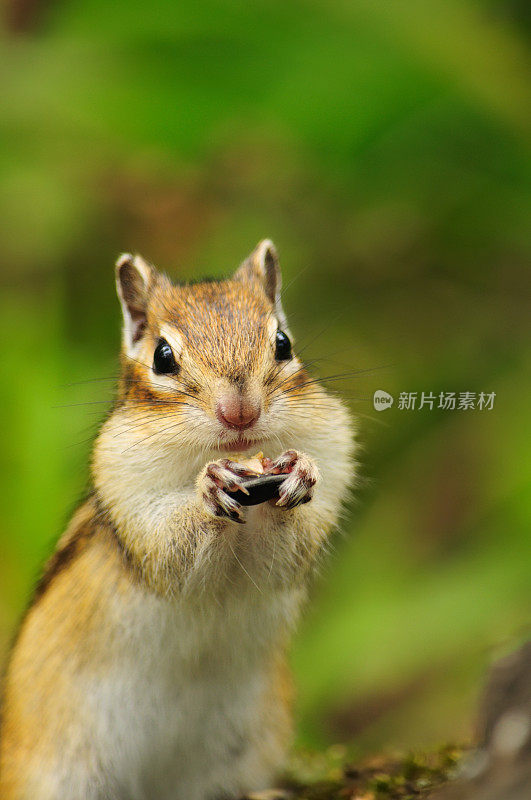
(382, 400)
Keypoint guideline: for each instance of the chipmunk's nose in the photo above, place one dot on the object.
(238, 412)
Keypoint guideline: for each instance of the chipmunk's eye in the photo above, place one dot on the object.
(282, 347)
(163, 359)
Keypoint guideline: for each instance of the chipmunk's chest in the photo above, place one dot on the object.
(181, 701)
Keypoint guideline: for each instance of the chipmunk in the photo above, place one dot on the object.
(151, 664)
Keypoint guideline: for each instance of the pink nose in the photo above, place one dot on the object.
(237, 412)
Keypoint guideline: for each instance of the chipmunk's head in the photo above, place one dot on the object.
(209, 365)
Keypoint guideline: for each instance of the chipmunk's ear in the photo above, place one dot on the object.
(262, 267)
(135, 279)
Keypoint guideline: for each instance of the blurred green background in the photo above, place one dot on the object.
(385, 147)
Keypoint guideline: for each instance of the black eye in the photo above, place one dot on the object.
(282, 347)
(163, 359)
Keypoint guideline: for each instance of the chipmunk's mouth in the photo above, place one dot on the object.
(238, 445)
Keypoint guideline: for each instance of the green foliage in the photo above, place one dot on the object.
(385, 147)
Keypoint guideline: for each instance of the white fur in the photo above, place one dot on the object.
(175, 713)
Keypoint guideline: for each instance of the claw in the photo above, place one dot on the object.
(235, 516)
(234, 487)
(302, 476)
(220, 478)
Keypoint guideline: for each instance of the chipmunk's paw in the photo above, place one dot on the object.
(302, 475)
(218, 478)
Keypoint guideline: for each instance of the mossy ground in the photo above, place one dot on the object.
(333, 775)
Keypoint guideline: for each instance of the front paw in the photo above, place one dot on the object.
(218, 478)
(301, 476)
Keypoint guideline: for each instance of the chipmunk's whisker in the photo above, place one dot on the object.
(338, 376)
(140, 421)
(158, 432)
